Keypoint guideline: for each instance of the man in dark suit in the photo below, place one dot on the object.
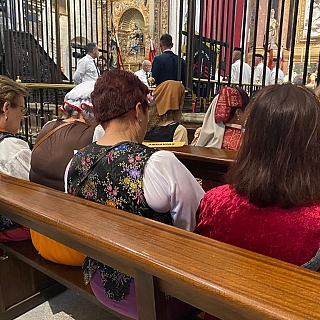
(165, 66)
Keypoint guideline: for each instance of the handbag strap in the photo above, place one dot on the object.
(49, 134)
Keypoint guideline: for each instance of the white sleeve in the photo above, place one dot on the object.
(234, 73)
(98, 133)
(169, 186)
(66, 176)
(181, 134)
(17, 157)
(81, 69)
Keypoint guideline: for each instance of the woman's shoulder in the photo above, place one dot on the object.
(163, 155)
(223, 193)
(181, 127)
(14, 143)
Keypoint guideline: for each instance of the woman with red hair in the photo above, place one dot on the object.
(119, 171)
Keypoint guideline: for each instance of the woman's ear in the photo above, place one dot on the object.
(5, 106)
(139, 111)
(239, 113)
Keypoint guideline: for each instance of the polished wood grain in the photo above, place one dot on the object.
(203, 154)
(221, 279)
(205, 163)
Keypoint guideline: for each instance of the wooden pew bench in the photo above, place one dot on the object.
(69, 276)
(223, 280)
(22, 287)
(205, 163)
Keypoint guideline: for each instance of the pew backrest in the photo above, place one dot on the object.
(205, 163)
(226, 281)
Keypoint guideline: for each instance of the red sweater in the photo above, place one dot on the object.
(291, 235)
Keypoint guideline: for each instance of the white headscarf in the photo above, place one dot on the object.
(79, 96)
(212, 133)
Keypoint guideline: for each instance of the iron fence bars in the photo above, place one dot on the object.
(191, 13)
(41, 38)
(180, 40)
(231, 47)
(244, 39)
(43, 105)
(293, 37)
(69, 47)
(280, 51)
(306, 56)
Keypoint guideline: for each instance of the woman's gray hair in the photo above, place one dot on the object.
(71, 112)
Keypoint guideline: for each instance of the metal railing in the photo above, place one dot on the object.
(43, 105)
(42, 40)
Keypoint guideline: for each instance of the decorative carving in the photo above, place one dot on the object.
(315, 24)
(273, 29)
(133, 24)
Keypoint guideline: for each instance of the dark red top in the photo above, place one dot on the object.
(291, 235)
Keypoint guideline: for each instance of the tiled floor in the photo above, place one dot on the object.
(67, 306)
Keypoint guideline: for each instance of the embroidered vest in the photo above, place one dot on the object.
(113, 177)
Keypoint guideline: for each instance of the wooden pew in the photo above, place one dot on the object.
(205, 163)
(69, 277)
(23, 287)
(220, 279)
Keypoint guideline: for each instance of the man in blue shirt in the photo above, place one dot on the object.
(165, 66)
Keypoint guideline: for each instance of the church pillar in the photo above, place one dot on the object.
(151, 18)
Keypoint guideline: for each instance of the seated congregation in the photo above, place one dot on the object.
(271, 204)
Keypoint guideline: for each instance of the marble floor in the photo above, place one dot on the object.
(67, 306)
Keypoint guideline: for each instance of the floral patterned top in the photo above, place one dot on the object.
(112, 176)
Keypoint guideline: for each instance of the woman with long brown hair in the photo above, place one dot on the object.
(272, 202)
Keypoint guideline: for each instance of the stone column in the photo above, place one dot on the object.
(151, 17)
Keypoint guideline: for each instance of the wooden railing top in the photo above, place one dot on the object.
(221, 279)
(204, 154)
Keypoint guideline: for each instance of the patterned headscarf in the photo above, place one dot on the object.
(217, 115)
(227, 98)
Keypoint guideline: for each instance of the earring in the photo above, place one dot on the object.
(6, 117)
(140, 120)
(238, 119)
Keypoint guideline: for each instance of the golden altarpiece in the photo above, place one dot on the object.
(135, 23)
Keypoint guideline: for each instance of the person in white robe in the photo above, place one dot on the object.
(280, 78)
(258, 71)
(236, 68)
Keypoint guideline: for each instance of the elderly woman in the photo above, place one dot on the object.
(222, 126)
(272, 202)
(51, 153)
(119, 171)
(14, 152)
(165, 113)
